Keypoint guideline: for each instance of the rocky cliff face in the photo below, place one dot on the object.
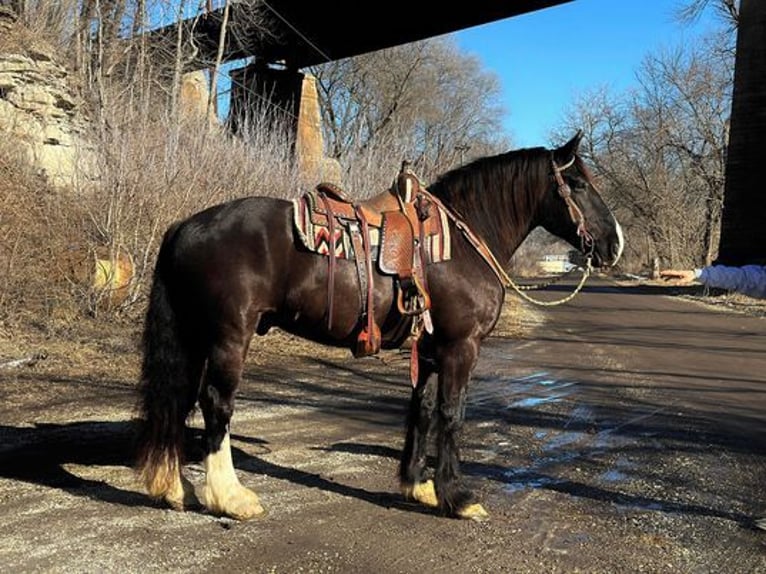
(39, 113)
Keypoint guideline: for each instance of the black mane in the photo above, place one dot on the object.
(497, 195)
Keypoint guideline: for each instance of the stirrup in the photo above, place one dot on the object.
(417, 299)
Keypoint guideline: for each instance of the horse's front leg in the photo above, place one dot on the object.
(412, 467)
(457, 361)
(223, 492)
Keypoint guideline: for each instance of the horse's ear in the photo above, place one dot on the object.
(565, 154)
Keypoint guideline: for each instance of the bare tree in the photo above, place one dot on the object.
(426, 100)
(693, 89)
(660, 150)
(727, 10)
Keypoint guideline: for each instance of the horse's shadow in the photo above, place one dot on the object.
(494, 472)
(41, 454)
(384, 499)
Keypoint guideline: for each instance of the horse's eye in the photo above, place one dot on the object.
(578, 186)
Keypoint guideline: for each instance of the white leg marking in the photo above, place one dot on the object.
(221, 478)
(223, 492)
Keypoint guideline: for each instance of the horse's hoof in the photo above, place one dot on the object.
(243, 504)
(245, 508)
(422, 492)
(182, 497)
(241, 512)
(473, 512)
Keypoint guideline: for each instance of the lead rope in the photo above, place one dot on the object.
(585, 274)
(486, 253)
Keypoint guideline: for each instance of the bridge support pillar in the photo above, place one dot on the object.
(743, 232)
(259, 92)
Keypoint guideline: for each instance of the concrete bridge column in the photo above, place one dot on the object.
(259, 90)
(743, 229)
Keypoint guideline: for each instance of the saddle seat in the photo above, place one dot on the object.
(400, 230)
(398, 219)
(344, 207)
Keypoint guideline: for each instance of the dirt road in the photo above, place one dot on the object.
(626, 433)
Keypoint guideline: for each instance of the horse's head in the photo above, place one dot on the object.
(574, 210)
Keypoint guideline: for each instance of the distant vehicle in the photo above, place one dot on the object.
(556, 264)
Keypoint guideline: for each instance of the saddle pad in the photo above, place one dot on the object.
(312, 229)
(315, 233)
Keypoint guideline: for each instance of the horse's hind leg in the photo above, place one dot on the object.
(179, 492)
(223, 492)
(413, 462)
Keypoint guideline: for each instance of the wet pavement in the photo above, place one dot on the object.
(653, 404)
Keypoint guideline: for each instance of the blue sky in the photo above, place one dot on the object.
(544, 59)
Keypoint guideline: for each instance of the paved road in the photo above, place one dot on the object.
(658, 405)
(624, 434)
(684, 357)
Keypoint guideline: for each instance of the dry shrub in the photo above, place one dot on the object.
(372, 169)
(156, 173)
(45, 23)
(152, 175)
(41, 247)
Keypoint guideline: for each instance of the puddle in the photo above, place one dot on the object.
(574, 440)
(519, 480)
(531, 402)
(621, 471)
(525, 392)
(613, 475)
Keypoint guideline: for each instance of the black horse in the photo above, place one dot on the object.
(238, 269)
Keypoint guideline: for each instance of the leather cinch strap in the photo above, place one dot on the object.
(370, 339)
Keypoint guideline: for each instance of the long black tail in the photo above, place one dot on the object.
(164, 393)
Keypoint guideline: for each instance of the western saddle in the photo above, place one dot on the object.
(401, 230)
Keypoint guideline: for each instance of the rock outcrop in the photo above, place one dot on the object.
(39, 112)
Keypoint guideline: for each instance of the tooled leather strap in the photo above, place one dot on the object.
(331, 265)
(361, 269)
(368, 264)
(422, 209)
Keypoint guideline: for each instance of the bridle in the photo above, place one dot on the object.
(586, 239)
(486, 253)
(575, 212)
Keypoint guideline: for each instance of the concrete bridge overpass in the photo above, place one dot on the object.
(302, 34)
